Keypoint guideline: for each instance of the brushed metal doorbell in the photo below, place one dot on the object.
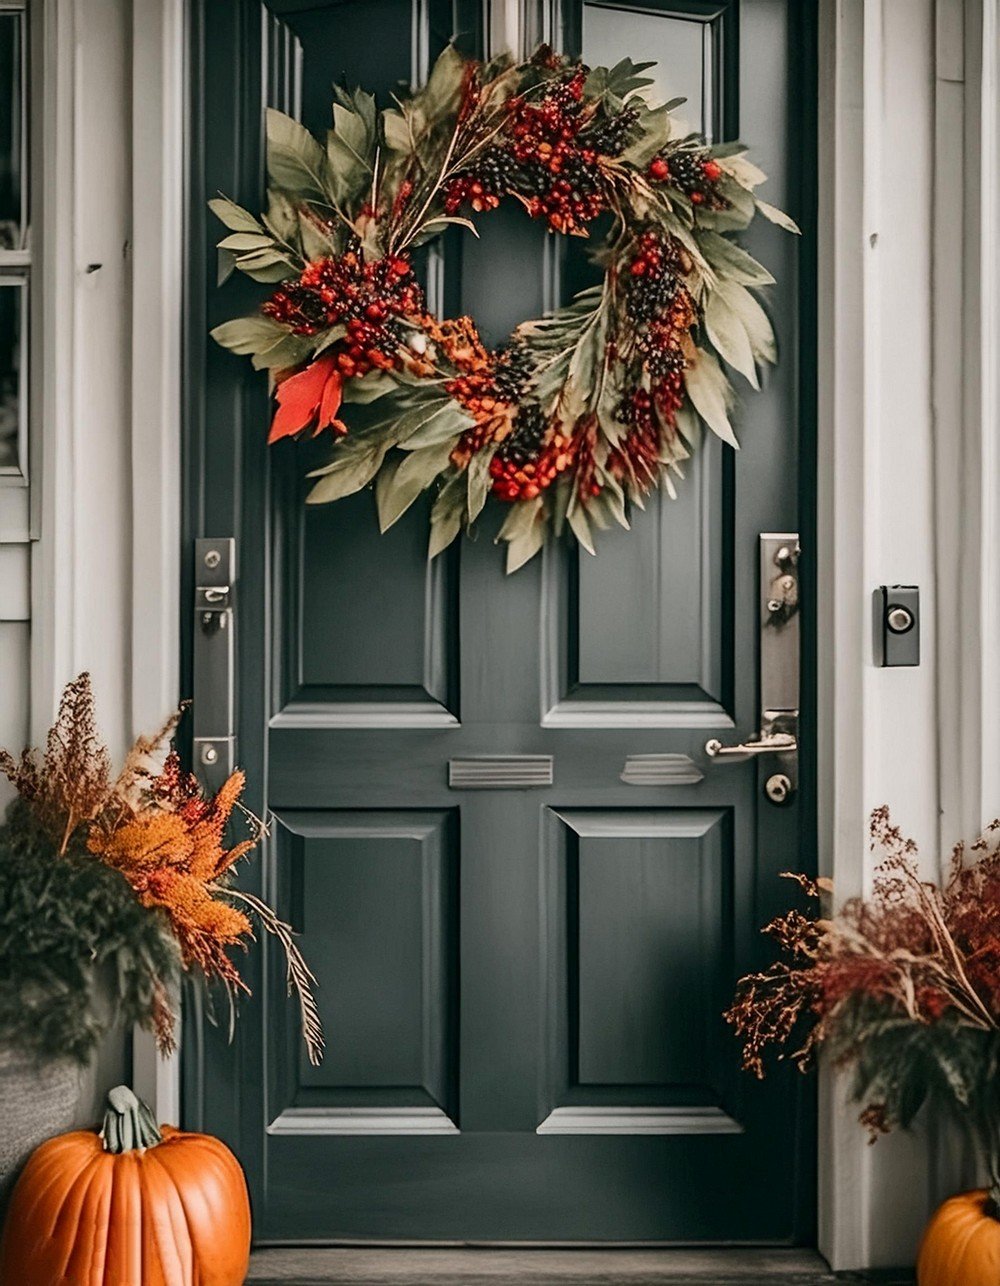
(897, 625)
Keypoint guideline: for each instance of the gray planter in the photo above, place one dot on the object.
(39, 1101)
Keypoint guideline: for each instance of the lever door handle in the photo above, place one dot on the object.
(772, 743)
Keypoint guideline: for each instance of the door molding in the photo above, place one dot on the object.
(964, 609)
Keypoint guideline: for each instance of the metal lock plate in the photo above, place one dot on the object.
(777, 740)
(213, 708)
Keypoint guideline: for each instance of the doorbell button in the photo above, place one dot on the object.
(897, 625)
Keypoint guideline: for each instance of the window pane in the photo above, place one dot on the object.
(12, 177)
(11, 301)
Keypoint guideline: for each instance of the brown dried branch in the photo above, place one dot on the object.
(70, 783)
(913, 950)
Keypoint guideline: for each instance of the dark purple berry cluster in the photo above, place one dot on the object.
(692, 172)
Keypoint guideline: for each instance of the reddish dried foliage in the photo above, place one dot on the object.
(913, 950)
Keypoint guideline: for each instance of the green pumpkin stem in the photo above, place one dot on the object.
(128, 1123)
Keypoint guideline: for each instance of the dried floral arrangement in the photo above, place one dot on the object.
(902, 987)
(132, 870)
(580, 413)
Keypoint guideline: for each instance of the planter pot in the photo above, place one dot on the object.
(961, 1244)
(39, 1100)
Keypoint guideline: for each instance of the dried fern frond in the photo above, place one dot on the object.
(141, 766)
(299, 976)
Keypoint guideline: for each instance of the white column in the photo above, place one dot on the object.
(877, 507)
(157, 109)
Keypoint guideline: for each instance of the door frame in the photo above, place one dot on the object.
(954, 468)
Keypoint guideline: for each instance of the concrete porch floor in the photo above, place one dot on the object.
(487, 1266)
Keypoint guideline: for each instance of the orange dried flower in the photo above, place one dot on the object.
(173, 860)
(159, 830)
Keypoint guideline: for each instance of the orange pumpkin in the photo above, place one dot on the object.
(961, 1244)
(131, 1206)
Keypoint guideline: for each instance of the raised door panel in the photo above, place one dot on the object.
(374, 895)
(640, 945)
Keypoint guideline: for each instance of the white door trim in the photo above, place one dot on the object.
(158, 221)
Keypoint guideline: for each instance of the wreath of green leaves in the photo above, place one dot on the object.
(580, 414)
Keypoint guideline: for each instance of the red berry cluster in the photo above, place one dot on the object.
(562, 184)
(490, 386)
(370, 299)
(532, 457)
(662, 310)
(693, 172)
(585, 437)
(477, 394)
(637, 454)
(548, 156)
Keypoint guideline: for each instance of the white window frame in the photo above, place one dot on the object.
(16, 270)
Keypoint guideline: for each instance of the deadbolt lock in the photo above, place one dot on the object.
(782, 588)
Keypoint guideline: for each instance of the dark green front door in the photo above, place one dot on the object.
(521, 983)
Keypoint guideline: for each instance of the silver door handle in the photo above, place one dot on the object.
(772, 743)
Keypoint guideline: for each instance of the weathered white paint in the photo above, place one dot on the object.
(82, 561)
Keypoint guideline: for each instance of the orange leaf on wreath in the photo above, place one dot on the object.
(313, 394)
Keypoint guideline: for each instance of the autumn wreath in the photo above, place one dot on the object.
(579, 413)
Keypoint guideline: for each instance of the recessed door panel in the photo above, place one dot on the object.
(653, 933)
(691, 44)
(340, 582)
